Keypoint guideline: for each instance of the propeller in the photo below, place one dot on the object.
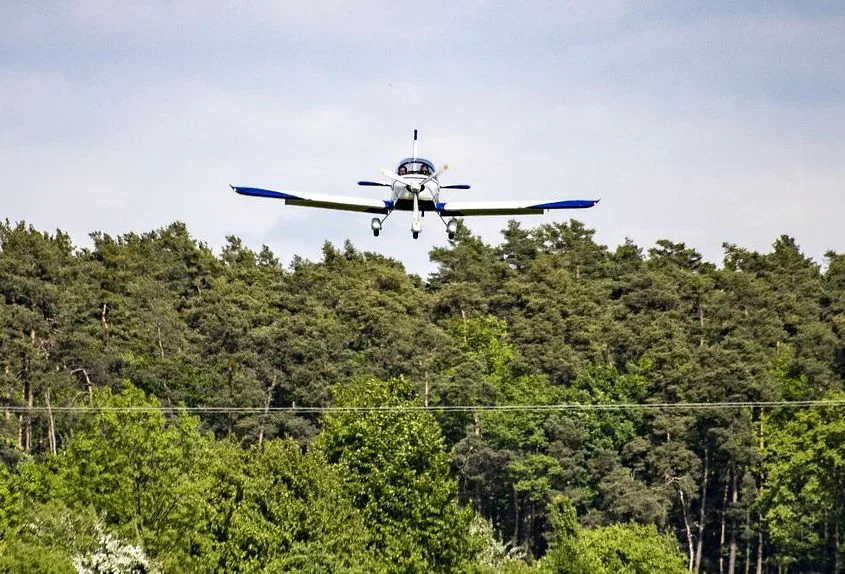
(457, 186)
(411, 184)
(399, 179)
(437, 174)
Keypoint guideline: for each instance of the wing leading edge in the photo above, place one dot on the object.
(360, 204)
(468, 208)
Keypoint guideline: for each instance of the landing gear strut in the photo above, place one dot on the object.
(416, 222)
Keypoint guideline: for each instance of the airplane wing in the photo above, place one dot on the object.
(467, 208)
(361, 204)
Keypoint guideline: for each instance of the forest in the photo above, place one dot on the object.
(545, 404)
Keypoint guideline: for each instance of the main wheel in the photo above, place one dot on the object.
(375, 232)
(451, 235)
(415, 234)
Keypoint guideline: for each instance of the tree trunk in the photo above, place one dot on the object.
(529, 531)
(160, 345)
(27, 395)
(837, 564)
(732, 549)
(29, 405)
(104, 313)
(52, 425)
(426, 389)
(701, 516)
(748, 542)
(722, 531)
(230, 375)
(759, 569)
(88, 385)
(515, 517)
(266, 412)
(687, 529)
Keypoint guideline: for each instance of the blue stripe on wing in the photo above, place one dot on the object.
(568, 204)
(258, 192)
(320, 201)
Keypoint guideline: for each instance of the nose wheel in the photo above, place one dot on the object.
(415, 234)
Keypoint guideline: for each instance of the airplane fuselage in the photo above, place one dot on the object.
(428, 196)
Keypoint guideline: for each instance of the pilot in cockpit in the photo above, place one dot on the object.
(424, 170)
(403, 170)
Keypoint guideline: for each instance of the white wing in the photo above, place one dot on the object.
(467, 208)
(361, 204)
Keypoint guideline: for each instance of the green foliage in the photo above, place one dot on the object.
(548, 316)
(397, 472)
(138, 469)
(633, 549)
(804, 461)
(17, 557)
(619, 548)
(275, 509)
(11, 504)
(46, 538)
(567, 553)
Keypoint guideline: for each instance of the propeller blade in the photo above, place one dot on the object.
(437, 174)
(374, 183)
(398, 178)
(457, 186)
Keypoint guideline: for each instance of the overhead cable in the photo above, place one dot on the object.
(231, 409)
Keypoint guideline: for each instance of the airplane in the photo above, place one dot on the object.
(415, 187)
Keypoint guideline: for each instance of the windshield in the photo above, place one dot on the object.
(421, 167)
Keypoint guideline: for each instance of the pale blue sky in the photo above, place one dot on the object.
(696, 122)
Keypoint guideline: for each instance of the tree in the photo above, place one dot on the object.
(141, 472)
(620, 548)
(397, 473)
(804, 494)
(271, 508)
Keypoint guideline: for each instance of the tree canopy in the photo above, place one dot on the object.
(174, 409)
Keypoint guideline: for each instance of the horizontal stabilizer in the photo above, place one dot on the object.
(373, 183)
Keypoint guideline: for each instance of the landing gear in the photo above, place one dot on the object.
(416, 222)
(375, 225)
(452, 228)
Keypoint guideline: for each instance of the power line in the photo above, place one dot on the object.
(230, 409)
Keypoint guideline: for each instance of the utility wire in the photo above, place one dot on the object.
(435, 408)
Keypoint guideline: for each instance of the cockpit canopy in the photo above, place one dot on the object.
(415, 166)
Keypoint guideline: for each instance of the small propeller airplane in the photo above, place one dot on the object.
(415, 187)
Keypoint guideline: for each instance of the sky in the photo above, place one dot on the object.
(698, 122)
